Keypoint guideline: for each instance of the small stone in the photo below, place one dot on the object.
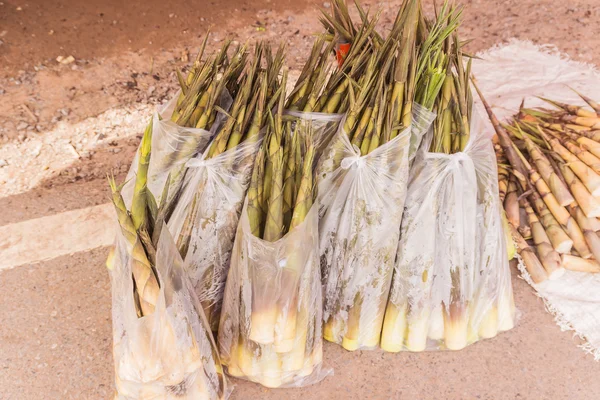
(3, 163)
(22, 126)
(327, 4)
(54, 346)
(54, 313)
(65, 60)
(19, 9)
(151, 90)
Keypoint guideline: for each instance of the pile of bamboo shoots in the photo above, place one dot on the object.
(270, 330)
(245, 205)
(549, 182)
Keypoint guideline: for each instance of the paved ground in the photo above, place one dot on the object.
(55, 343)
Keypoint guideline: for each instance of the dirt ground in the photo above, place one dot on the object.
(125, 55)
(57, 144)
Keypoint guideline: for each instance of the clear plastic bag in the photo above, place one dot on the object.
(270, 330)
(169, 354)
(211, 203)
(451, 284)
(172, 147)
(323, 126)
(362, 199)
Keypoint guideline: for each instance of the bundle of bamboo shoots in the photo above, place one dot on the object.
(554, 179)
(364, 173)
(451, 284)
(185, 127)
(270, 330)
(161, 337)
(207, 211)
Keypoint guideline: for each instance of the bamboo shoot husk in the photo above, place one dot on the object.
(549, 258)
(394, 328)
(587, 157)
(589, 204)
(418, 327)
(488, 327)
(511, 203)
(436, 324)
(561, 242)
(562, 216)
(532, 263)
(590, 145)
(543, 166)
(578, 264)
(588, 176)
(456, 326)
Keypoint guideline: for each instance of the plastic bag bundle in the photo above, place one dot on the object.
(362, 199)
(169, 354)
(271, 321)
(206, 218)
(451, 284)
(270, 329)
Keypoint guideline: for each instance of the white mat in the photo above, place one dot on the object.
(506, 75)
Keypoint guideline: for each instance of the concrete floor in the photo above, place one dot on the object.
(55, 343)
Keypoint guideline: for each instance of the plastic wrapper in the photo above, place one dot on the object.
(322, 126)
(451, 284)
(169, 354)
(211, 203)
(362, 199)
(270, 330)
(172, 147)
